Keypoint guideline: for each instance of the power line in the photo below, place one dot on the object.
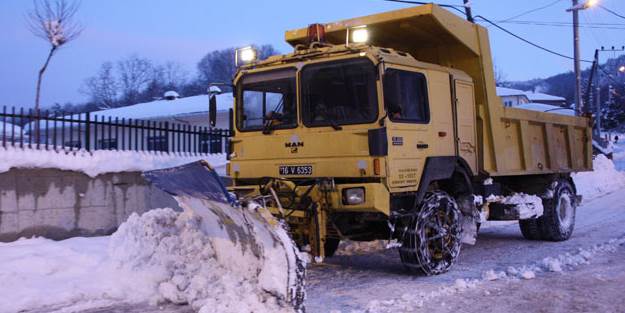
(532, 11)
(562, 23)
(527, 41)
(568, 25)
(616, 14)
(451, 6)
(500, 28)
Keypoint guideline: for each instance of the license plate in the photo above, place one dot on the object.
(297, 170)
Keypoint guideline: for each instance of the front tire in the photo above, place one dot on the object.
(431, 243)
(330, 247)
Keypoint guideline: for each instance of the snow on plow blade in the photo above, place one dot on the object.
(248, 241)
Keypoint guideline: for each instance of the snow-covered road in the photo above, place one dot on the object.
(351, 283)
(374, 281)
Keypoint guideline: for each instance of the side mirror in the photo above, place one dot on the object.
(212, 110)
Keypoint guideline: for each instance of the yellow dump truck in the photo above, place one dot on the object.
(388, 126)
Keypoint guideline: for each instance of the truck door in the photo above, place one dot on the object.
(407, 107)
(465, 123)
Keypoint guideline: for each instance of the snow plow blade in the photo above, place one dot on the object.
(248, 240)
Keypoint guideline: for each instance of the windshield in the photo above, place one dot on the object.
(339, 93)
(267, 100)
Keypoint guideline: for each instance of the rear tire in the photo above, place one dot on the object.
(558, 220)
(431, 244)
(530, 229)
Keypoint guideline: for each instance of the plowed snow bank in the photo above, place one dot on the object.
(605, 178)
(160, 256)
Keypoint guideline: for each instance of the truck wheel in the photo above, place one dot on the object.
(432, 240)
(330, 247)
(558, 219)
(530, 229)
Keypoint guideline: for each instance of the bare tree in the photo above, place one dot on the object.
(135, 73)
(219, 65)
(500, 76)
(102, 88)
(173, 75)
(54, 22)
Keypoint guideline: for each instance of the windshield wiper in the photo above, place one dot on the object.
(272, 116)
(331, 121)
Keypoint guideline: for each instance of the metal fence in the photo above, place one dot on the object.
(91, 132)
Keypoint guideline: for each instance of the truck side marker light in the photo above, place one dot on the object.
(442, 134)
(376, 166)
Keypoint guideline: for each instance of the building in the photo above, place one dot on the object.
(533, 101)
(169, 124)
(538, 97)
(512, 97)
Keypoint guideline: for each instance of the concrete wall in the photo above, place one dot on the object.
(61, 204)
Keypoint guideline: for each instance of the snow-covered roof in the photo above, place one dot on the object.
(537, 96)
(532, 96)
(166, 108)
(7, 128)
(507, 92)
(158, 109)
(546, 108)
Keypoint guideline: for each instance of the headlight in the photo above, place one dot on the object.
(360, 35)
(245, 55)
(353, 196)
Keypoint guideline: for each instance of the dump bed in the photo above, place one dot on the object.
(512, 141)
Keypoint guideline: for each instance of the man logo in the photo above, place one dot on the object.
(294, 146)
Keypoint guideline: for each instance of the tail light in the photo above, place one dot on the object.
(316, 33)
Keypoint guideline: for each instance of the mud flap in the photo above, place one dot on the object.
(263, 242)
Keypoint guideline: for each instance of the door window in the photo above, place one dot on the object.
(406, 97)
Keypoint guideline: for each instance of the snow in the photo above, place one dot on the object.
(160, 109)
(546, 108)
(529, 206)
(605, 178)
(507, 92)
(532, 96)
(160, 256)
(55, 33)
(101, 161)
(171, 95)
(537, 96)
(7, 128)
(526, 272)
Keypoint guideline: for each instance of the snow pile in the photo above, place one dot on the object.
(45, 273)
(605, 178)
(101, 161)
(178, 261)
(161, 256)
(529, 206)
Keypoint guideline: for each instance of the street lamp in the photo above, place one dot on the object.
(576, 54)
(622, 69)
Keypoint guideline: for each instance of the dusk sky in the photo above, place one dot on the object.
(185, 30)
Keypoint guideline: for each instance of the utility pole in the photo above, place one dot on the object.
(467, 10)
(579, 106)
